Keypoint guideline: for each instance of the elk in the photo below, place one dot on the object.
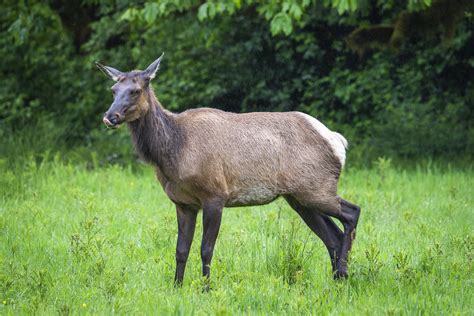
(210, 159)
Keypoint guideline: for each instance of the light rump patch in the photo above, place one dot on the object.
(337, 142)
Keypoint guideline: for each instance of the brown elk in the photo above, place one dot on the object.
(210, 159)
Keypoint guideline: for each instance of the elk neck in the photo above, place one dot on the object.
(157, 136)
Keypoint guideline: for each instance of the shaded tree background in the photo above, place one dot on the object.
(416, 102)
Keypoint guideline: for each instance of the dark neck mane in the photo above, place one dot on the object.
(156, 136)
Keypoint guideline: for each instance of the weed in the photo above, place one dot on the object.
(289, 255)
(372, 254)
(403, 266)
(40, 281)
(383, 166)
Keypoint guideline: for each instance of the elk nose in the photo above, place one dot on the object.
(114, 120)
(111, 119)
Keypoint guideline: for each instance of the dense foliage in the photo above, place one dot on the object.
(238, 56)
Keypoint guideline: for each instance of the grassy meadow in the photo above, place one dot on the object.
(85, 239)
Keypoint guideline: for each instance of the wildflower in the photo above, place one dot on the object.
(84, 305)
(4, 302)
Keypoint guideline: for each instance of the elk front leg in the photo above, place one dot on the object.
(212, 214)
(186, 225)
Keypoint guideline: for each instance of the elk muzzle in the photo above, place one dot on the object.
(112, 120)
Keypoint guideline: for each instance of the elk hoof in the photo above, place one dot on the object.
(339, 275)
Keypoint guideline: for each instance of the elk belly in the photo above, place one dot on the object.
(256, 195)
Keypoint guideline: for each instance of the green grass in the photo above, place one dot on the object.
(77, 239)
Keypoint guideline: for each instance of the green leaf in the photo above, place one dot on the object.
(281, 23)
(353, 5)
(150, 12)
(202, 12)
(127, 15)
(212, 10)
(343, 6)
(295, 11)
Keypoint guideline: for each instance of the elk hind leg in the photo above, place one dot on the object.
(347, 213)
(349, 217)
(323, 227)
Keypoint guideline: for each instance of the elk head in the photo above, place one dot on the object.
(130, 91)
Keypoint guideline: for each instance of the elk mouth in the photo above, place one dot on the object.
(114, 124)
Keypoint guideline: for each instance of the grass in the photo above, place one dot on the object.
(79, 239)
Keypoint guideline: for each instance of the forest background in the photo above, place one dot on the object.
(408, 101)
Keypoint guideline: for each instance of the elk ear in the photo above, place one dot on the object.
(110, 72)
(150, 72)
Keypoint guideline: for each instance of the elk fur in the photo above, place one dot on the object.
(244, 159)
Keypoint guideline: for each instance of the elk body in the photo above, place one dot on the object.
(210, 159)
